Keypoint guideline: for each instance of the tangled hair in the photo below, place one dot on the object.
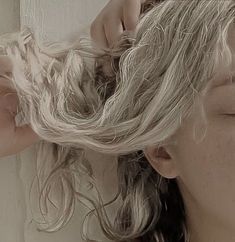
(73, 104)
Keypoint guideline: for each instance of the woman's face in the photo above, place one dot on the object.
(205, 171)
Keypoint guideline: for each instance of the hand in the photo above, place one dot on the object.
(13, 139)
(115, 17)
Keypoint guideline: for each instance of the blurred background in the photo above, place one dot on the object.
(54, 20)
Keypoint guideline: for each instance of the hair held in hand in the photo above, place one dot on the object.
(71, 103)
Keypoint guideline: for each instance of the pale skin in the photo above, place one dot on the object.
(204, 171)
(114, 18)
(13, 138)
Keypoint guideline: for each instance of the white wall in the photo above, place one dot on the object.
(9, 15)
(59, 19)
(12, 201)
(53, 20)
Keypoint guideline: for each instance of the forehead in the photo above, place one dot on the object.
(231, 36)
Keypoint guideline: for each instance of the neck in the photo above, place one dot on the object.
(202, 225)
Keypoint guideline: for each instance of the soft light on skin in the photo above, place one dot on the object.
(205, 171)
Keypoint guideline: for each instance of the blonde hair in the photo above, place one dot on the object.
(73, 106)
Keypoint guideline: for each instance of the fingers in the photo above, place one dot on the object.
(97, 33)
(113, 30)
(106, 33)
(131, 13)
(116, 17)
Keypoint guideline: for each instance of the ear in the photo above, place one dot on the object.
(162, 160)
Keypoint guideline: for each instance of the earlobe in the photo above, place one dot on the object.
(161, 161)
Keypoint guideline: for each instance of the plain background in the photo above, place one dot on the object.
(54, 20)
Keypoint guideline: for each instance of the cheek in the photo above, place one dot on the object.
(207, 169)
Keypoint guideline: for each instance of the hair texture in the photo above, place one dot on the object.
(73, 105)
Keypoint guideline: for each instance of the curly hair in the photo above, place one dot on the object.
(74, 105)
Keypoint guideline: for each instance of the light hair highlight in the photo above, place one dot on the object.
(156, 77)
